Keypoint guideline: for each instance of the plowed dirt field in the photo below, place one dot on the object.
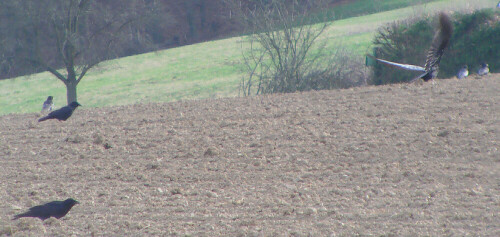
(398, 160)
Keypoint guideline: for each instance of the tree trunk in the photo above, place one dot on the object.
(71, 81)
(71, 92)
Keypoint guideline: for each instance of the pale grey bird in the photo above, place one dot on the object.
(484, 69)
(48, 105)
(463, 72)
(438, 45)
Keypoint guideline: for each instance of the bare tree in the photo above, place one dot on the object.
(82, 33)
(283, 52)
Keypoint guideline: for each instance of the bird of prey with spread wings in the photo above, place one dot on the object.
(438, 45)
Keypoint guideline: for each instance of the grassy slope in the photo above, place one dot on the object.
(204, 70)
(365, 7)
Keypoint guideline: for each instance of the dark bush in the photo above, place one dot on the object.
(476, 40)
(472, 43)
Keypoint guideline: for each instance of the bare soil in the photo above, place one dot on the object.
(398, 160)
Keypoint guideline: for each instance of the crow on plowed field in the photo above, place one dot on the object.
(55, 209)
(62, 113)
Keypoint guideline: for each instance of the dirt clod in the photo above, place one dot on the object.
(400, 160)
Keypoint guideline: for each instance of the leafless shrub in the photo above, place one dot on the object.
(284, 54)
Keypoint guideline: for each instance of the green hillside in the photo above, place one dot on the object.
(205, 70)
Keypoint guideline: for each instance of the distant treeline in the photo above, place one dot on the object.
(168, 23)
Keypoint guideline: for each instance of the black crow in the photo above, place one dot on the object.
(48, 104)
(55, 209)
(438, 45)
(463, 73)
(62, 113)
(483, 70)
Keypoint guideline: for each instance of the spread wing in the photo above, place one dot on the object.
(400, 65)
(439, 43)
(423, 76)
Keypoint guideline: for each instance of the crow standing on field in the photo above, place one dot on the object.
(55, 209)
(62, 113)
(438, 45)
(48, 104)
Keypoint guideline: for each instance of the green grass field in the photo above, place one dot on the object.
(365, 7)
(205, 70)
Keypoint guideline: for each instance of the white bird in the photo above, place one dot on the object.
(484, 69)
(463, 73)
